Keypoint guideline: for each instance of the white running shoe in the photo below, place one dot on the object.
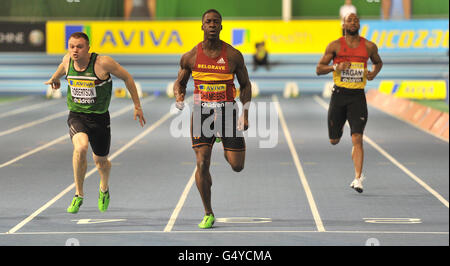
(357, 184)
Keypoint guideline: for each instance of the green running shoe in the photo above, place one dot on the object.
(207, 222)
(103, 200)
(75, 205)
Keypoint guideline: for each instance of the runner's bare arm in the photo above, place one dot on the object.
(323, 66)
(109, 65)
(377, 64)
(60, 71)
(179, 87)
(245, 87)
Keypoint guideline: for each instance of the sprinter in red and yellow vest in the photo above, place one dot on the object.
(350, 74)
(213, 65)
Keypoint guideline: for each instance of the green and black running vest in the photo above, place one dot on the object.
(86, 93)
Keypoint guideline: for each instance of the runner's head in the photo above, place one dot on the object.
(211, 24)
(351, 24)
(78, 46)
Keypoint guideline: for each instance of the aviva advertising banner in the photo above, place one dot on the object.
(303, 36)
(120, 37)
(175, 37)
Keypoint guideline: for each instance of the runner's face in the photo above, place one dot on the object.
(212, 25)
(351, 24)
(78, 48)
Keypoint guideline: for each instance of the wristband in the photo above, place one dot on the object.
(335, 67)
(179, 105)
(138, 108)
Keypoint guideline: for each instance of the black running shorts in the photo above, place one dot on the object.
(216, 120)
(346, 105)
(96, 126)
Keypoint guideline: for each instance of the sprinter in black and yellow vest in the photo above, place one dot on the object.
(348, 101)
(88, 97)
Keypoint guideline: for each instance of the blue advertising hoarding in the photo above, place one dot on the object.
(407, 36)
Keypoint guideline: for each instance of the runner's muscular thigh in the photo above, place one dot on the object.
(235, 158)
(80, 141)
(203, 157)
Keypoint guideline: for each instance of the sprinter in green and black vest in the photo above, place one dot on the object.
(88, 96)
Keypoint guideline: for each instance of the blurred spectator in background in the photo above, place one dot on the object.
(128, 8)
(346, 9)
(260, 58)
(396, 9)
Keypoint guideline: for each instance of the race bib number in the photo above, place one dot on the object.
(212, 92)
(83, 91)
(354, 74)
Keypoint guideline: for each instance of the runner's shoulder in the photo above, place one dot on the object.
(231, 50)
(66, 59)
(104, 59)
(371, 45)
(335, 45)
(234, 54)
(188, 59)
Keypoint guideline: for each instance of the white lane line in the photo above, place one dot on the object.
(14, 101)
(28, 108)
(301, 173)
(321, 102)
(93, 170)
(140, 136)
(180, 203)
(35, 150)
(228, 232)
(36, 122)
(66, 136)
(407, 171)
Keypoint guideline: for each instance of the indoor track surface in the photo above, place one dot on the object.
(294, 189)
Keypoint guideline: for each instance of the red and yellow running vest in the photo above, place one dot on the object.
(355, 77)
(212, 77)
